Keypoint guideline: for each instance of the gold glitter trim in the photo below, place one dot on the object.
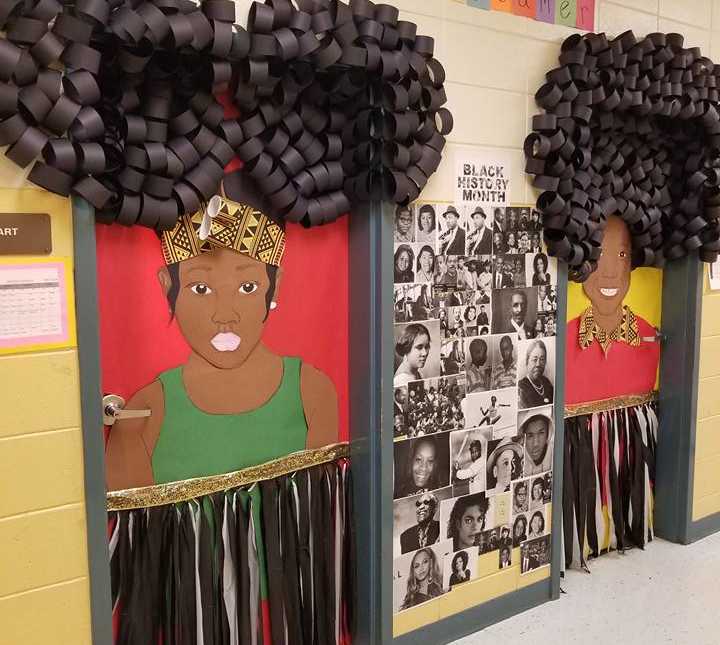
(605, 405)
(182, 491)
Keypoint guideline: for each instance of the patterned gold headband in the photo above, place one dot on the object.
(225, 224)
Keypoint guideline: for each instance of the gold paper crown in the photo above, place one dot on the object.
(228, 225)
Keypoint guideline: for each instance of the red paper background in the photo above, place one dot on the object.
(138, 341)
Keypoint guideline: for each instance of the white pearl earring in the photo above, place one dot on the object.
(273, 305)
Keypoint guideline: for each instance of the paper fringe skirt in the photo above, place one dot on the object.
(608, 482)
(268, 563)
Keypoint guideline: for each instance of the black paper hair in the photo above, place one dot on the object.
(631, 127)
(338, 103)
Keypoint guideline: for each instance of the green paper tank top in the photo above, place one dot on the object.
(193, 443)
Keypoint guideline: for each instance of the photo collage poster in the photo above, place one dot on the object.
(475, 304)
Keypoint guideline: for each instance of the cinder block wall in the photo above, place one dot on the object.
(706, 491)
(43, 555)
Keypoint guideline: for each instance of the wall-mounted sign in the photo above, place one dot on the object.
(25, 234)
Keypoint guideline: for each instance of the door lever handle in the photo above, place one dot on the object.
(114, 409)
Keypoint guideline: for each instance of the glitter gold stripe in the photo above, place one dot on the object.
(182, 491)
(606, 405)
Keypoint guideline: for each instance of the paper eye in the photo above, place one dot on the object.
(201, 289)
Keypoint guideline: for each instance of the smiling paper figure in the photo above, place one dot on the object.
(611, 351)
(234, 403)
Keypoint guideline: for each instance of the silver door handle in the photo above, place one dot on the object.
(114, 409)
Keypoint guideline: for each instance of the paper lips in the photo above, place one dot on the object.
(632, 128)
(338, 103)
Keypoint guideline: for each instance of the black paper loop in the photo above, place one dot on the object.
(600, 146)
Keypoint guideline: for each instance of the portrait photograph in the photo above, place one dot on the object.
(424, 263)
(515, 312)
(505, 557)
(468, 455)
(417, 521)
(489, 541)
(404, 225)
(451, 234)
(400, 401)
(463, 519)
(535, 430)
(478, 223)
(540, 491)
(421, 465)
(503, 350)
(519, 527)
(417, 351)
(418, 576)
(496, 410)
(547, 299)
(540, 270)
(455, 322)
(404, 260)
(536, 373)
(504, 464)
(546, 325)
(538, 523)
(535, 554)
(478, 364)
(460, 567)
(521, 497)
(426, 224)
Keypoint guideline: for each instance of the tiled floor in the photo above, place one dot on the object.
(666, 594)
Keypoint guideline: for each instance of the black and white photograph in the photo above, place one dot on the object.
(496, 409)
(504, 465)
(435, 405)
(535, 554)
(413, 302)
(519, 529)
(460, 567)
(515, 312)
(404, 231)
(537, 492)
(404, 264)
(468, 454)
(547, 299)
(417, 577)
(400, 401)
(540, 270)
(506, 536)
(422, 407)
(424, 263)
(421, 465)
(484, 273)
(478, 365)
(417, 351)
(548, 487)
(478, 224)
(502, 507)
(535, 428)
(505, 557)
(508, 271)
(503, 356)
(452, 356)
(536, 373)
(451, 235)
(545, 325)
(417, 521)
(426, 224)
(520, 495)
(489, 541)
(537, 526)
(455, 327)
(463, 519)
(475, 317)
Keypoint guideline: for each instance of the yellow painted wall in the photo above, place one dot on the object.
(44, 592)
(706, 488)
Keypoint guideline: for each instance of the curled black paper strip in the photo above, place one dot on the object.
(636, 128)
(339, 103)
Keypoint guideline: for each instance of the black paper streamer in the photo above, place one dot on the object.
(338, 103)
(632, 128)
